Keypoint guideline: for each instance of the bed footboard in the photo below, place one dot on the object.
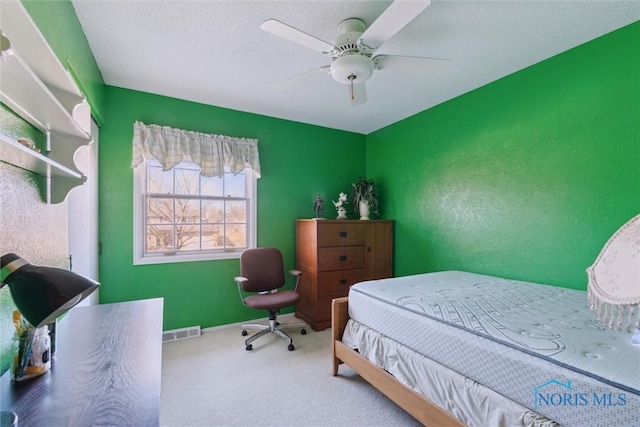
(339, 318)
(415, 404)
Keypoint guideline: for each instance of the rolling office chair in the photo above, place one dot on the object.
(262, 274)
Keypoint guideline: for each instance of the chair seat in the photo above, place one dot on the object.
(272, 301)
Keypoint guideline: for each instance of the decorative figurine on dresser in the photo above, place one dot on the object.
(335, 254)
(318, 206)
(340, 206)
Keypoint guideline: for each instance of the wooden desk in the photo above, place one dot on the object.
(106, 370)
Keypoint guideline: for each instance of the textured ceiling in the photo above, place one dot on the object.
(213, 51)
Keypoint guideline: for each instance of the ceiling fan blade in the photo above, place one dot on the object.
(392, 20)
(410, 64)
(358, 93)
(292, 34)
(301, 78)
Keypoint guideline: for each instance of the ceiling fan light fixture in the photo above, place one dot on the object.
(355, 45)
(351, 69)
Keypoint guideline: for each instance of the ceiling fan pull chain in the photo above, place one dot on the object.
(352, 78)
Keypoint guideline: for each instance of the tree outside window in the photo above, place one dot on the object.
(186, 213)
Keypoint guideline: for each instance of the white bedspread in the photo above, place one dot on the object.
(538, 345)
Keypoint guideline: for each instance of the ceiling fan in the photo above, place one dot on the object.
(352, 53)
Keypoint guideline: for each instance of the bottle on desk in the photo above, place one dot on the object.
(34, 354)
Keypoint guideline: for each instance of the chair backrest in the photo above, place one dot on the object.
(264, 269)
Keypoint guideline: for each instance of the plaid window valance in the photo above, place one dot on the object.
(211, 152)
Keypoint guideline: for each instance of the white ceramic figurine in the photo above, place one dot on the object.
(342, 211)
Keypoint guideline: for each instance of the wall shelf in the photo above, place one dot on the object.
(35, 85)
(18, 155)
(61, 179)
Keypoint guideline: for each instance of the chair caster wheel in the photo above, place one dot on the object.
(303, 332)
(249, 347)
(245, 333)
(291, 347)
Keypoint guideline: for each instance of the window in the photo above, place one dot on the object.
(180, 215)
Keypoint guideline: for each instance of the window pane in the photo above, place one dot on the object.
(236, 236)
(211, 186)
(187, 181)
(212, 236)
(159, 181)
(159, 238)
(190, 216)
(212, 211)
(187, 211)
(234, 185)
(159, 211)
(187, 237)
(236, 211)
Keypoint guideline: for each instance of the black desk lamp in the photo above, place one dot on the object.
(42, 294)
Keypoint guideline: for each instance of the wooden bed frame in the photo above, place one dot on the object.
(415, 404)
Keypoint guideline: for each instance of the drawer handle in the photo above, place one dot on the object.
(343, 234)
(343, 281)
(343, 257)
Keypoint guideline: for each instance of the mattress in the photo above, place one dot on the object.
(538, 345)
(469, 401)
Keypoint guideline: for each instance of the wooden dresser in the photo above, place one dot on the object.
(335, 254)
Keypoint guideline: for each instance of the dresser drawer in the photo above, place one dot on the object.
(337, 283)
(340, 258)
(340, 234)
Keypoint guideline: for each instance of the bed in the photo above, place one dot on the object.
(457, 348)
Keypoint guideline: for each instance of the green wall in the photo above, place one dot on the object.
(298, 161)
(524, 178)
(59, 24)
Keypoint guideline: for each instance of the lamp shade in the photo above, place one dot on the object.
(42, 294)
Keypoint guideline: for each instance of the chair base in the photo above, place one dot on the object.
(273, 327)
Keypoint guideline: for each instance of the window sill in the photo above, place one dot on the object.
(168, 259)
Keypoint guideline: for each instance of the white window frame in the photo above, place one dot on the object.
(139, 225)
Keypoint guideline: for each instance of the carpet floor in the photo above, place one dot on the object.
(212, 380)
